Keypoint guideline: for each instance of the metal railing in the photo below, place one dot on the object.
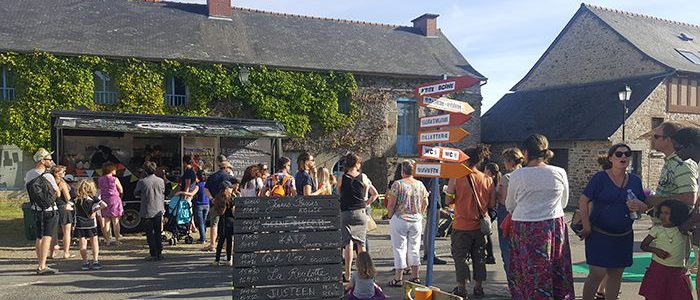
(7, 94)
(175, 100)
(107, 98)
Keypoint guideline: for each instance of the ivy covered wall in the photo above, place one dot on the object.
(302, 101)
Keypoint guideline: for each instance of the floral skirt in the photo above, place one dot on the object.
(540, 261)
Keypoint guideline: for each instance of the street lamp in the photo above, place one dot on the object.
(624, 96)
(244, 75)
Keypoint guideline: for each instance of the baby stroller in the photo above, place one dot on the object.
(178, 224)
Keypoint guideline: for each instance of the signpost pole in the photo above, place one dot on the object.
(432, 221)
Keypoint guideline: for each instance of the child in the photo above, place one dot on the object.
(225, 203)
(362, 285)
(666, 278)
(86, 208)
(324, 182)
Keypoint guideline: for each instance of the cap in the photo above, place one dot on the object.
(41, 154)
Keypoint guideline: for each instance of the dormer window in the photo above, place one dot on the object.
(693, 57)
(105, 89)
(175, 92)
(7, 85)
(685, 37)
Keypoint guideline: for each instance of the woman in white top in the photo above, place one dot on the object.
(540, 258)
(251, 183)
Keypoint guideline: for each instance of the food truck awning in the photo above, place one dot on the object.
(167, 124)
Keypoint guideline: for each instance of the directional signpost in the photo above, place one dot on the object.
(446, 120)
(443, 153)
(447, 130)
(451, 135)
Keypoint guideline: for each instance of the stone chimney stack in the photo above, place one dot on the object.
(220, 9)
(427, 24)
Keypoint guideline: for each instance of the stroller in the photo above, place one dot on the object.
(179, 217)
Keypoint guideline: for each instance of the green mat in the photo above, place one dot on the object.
(635, 273)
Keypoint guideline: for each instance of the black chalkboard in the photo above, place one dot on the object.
(286, 240)
(297, 291)
(245, 152)
(287, 258)
(287, 248)
(257, 207)
(286, 224)
(243, 277)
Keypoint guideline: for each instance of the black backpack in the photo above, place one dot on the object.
(41, 192)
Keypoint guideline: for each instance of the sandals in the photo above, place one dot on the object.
(415, 280)
(395, 283)
(599, 296)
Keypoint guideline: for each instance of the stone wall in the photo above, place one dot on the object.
(588, 52)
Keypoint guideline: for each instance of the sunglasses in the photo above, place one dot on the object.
(620, 153)
(658, 136)
(48, 159)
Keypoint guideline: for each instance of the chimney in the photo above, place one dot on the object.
(427, 24)
(220, 9)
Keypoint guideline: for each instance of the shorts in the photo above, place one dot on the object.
(65, 216)
(46, 224)
(214, 216)
(353, 226)
(86, 233)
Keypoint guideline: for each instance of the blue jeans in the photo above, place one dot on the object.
(503, 242)
(200, 219)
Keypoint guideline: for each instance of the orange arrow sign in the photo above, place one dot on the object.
(440, 170)
(451, 135)
(446, 104)
(446, 120)
(443, 153)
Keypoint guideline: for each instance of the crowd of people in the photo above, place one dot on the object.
(525, 196)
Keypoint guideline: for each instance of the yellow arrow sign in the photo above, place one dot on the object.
(440, 170)
(451, 135)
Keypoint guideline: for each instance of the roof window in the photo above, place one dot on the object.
(693, 57)
(686, 37)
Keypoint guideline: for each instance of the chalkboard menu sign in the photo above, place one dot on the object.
(245, 152)
(287, 248)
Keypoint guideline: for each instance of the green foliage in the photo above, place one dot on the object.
(301, 101)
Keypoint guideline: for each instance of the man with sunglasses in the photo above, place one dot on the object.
(678, 178)
(46, 219)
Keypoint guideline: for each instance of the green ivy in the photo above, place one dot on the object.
(301, 101)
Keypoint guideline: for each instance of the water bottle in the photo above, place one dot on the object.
(634, 215)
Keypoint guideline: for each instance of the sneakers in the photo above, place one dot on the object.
(96, 266)
(85, 267)
(437, 261)
(230, 263)
(47, 271)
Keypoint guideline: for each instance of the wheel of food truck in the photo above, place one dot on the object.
(189, 240)
(131, 222)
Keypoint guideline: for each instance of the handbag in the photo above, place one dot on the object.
(484, 218)
(577, 219)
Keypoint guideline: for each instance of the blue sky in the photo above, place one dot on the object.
(500, 38)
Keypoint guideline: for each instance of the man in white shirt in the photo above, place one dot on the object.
(46, 219)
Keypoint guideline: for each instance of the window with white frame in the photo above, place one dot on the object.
(7, 85)
(105, 89)
(175, 92)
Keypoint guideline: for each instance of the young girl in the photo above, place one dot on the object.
(111, 191)
(86, 208)
(362, 285)
(225, 203)
(325, 187)
(666, 278)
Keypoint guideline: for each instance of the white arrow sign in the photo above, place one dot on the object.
(447, 104)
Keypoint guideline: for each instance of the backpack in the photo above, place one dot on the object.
(278, 189)
(41, 192)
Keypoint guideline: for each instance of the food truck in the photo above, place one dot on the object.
(84, 140)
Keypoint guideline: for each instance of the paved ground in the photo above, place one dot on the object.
(186, 272)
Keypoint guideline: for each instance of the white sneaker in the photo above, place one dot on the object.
(230, 263)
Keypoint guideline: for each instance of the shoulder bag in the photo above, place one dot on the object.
(484, 218)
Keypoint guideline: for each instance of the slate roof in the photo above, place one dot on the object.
(656, 37)
(590, 112)
(167, 30)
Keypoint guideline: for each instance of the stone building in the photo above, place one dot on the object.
(571, 93)
(386, 60)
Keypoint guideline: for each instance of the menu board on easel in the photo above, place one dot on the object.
(245, 152)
